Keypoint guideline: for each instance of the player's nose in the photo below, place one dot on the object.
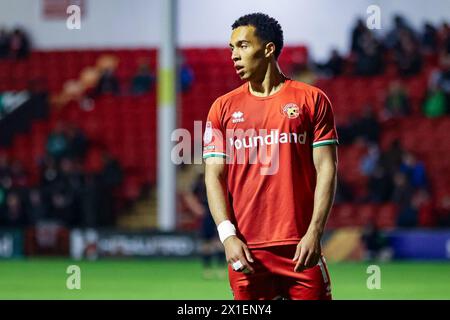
(234, 56)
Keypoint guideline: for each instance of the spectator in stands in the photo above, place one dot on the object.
(435, 104)
(402, 197)
(57, 143)
(414, 170)
(348, 131)
(370, 161)
(15, 215)
(401, 27)
(19, 44)
(61, 207)
(18, 175)
(49, 172)
(108, 83)
(429, 38)
(77, 143)
(5, 171)
(375, 243)
(343, 191)
(397, 102)
(186, 77)
(407, 55)
(334, 66)
(143, 81)
(392, 158)
(36, 210)
(4, 43)
(422, 202)
(368, 126)
(443, 211)
(211, 245)
(440, 78)
(444, 39)
(357, 34)
(380, 185)
(110, 179)
(369, 59)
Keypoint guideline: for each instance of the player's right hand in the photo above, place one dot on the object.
(236, 250)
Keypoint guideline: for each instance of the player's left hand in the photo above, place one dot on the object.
(308, 252)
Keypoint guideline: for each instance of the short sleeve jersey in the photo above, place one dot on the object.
(268, 144)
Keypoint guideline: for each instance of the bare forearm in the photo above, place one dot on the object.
(216, 192)
(323, 198)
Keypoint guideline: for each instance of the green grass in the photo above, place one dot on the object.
(182, 279)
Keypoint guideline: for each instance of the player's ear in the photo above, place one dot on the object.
(270, 49)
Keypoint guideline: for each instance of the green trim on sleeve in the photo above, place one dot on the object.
(214, 154)
(324, 143)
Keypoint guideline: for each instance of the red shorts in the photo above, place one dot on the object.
(274, 277)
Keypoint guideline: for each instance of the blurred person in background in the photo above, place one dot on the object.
(77, 143)
(57, 143)
(143, 81)
(15, 213)
(370, 161)
(369, 58)
(435, 104)
(429, 38)
(195, 199)
(402, 197)
(108, 83)
(368, 126)
(334, 66)
(19, 44)
(4, 43)
(357, 33)
(415, 171)
(401, 28)
(380, 185)
(443, 211)
(110, 178)
(375, 243)
(408, 55)
(36, 207)
(397, 101)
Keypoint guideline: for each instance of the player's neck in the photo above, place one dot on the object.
(271, 82)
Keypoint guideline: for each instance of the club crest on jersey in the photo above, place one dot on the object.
(291, 110)
(237, 116)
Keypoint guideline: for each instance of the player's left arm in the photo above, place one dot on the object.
(308, 250)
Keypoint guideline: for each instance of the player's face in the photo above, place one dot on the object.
(248, 53)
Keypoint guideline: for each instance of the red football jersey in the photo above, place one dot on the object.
(268, 143)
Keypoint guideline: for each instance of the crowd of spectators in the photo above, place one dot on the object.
(65, 193)
(142, 82)
(370, 52)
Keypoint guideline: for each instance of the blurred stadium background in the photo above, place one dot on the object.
(79, 143)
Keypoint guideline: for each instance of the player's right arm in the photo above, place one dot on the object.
(215, 181)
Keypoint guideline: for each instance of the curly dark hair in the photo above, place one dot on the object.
(267, 29)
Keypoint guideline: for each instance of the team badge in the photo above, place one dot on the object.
(291, 110)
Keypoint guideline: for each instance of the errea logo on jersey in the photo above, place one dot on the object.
(237, 117)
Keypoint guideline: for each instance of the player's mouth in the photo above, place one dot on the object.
(239, 69)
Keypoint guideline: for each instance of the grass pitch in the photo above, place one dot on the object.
(182, 279)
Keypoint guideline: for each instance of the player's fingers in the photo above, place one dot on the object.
(301, 260)
(247, 265)
(247, 254)
(297, 253)
(308, 259)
